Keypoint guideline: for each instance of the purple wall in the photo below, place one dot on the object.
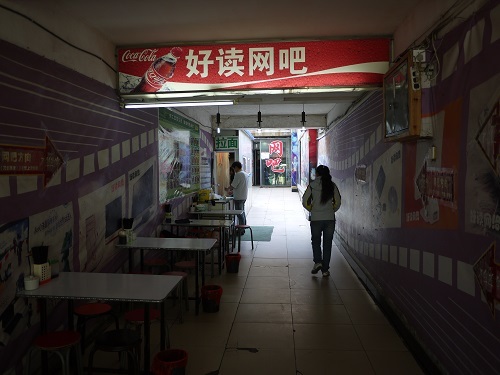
(110, 157)
(418, 226)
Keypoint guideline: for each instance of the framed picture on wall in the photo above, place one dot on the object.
(402, 100)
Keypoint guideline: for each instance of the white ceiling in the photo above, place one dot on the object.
(161, 22)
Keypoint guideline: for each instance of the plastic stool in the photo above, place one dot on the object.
(136, 318)
(118, 341)
(90, 311)
(183, 287)
(61, 343)
(185, 265)
(151, 263)
(243, 227)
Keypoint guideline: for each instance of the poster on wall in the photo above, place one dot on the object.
(178, 155)
(483, 160)
(387, 188)
(14, 265)
(100, 220)
(54, 228)
(295, 159)
(142, 193)
(274, 156)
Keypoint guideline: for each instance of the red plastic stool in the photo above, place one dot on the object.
(90, 311)
(152, 263)
(61, 343)
(240, 228)
(118, 341)
(136, 318)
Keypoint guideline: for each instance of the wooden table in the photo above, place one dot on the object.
(199, 245)
(106, 287)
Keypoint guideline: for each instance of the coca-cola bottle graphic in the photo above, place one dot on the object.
(160, 71)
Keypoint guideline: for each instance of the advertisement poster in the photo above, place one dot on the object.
(100, 220)
(355, 62)
(54, 228)
(14, 265)
(178, 155)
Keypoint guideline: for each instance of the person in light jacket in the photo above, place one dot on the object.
(326, 201)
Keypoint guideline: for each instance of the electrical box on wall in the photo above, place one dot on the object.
(402, 100)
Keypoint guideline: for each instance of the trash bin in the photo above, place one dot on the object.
(170, 362)
(210, 298)
(233, 263)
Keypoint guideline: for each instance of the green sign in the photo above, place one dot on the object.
(226, 143)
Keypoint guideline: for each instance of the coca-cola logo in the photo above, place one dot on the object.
(148, 55)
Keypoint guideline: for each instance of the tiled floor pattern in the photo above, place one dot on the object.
(276, 318)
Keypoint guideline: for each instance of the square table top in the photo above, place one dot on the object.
(106, 286)
(155, 243)
(215, 223)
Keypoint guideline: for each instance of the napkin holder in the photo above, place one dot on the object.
(43, 272)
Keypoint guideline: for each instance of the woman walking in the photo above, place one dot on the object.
(324, 197)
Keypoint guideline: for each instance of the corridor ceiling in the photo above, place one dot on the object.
(163, 22)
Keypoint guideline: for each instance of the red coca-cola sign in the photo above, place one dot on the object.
(335, 63)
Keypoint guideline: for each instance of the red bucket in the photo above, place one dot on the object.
(210, 297)
(170, 362)
(233, 263)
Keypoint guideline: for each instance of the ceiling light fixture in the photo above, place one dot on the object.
(217, 121)
(303, 117)
(259, 119)
(189, 103)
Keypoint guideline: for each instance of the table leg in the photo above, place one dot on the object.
(197, 283)
(130, 260)
(142, 260)
(71, 319)
(147, 339)
(162, 327)
(43, 329)
(221, 247)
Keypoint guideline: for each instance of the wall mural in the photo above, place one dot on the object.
(433, 251)
(178, 155)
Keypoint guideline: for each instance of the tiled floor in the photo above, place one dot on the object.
(276, 318)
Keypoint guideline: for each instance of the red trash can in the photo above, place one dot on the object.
(233, 263)
(170, 362)
(210, 297)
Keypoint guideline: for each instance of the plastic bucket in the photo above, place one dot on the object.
(210, 298)
(40, 254)
(170, 362)
(233, 263)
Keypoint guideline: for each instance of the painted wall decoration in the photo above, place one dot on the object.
(433, 252)
(105, 152)
(295, 158)
(179, 155)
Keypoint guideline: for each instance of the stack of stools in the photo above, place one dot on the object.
(61, 343)
(239, 229)
(92, 310)
(118, 341)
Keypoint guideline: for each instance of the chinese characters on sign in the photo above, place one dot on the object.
(232, 61)
(328, 63)
(19, 160)
(226, 143)
(275, 157)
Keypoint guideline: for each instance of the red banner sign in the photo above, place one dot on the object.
(337, 63)
(19, 160)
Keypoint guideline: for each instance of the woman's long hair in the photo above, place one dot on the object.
(327, 186)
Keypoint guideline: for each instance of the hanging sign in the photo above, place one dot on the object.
(226, 143)
(270, 65)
